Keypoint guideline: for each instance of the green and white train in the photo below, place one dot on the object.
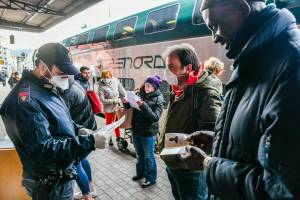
(132, 47)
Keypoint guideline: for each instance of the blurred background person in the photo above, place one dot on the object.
(216, 67)
(14, 79)
(110, 93)
(3, 77)
(83, 77)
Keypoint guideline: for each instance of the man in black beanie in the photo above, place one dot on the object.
(256, 143)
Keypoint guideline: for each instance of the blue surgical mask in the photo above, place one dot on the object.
(106, 81)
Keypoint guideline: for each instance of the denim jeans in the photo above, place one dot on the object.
(62, 191)
(146, 164)
(84, 176)
(187, 185)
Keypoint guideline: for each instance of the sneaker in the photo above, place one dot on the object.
(137, 178)
(78, 196)
(93, 194)
(147, 184)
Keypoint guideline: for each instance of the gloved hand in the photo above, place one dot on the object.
(202, 139)
(193, 157)
(100, 140)
(84, 131)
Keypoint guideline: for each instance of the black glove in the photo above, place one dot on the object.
(202, 139)
(193, 158)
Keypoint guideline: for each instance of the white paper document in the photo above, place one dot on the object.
(173, 151)
(132, 98)
(108, 129)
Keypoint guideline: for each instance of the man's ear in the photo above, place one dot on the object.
(245, 7)
(189, 68)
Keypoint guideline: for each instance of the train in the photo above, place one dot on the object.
(132, 47)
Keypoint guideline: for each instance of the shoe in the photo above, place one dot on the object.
(136, 178)
(93, 194)
(147, 184)
(78, 196)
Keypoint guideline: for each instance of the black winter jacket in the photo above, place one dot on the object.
(145, 121)
(80, 108)
(39, 124)
(256, 148)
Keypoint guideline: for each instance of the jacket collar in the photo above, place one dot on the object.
(41, 82)
(188, 91)
(274, 23)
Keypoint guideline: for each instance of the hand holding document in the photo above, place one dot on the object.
(132, 98)
(108, 129)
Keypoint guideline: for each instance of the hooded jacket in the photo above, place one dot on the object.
(256, 147)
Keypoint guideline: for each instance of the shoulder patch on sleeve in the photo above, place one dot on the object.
(24, 94)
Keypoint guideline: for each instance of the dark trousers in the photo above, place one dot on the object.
(187, 184)
(146, 164)
(62, 191)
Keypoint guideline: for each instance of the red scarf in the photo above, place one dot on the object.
(191, 80)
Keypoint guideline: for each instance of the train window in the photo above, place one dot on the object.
(73, 41)
(66, 42)
(100, 34)
(83, 38)
(197, 16)
(128, 83)
(291, 3)
(165, 88)
(162, 20)
(125, 29)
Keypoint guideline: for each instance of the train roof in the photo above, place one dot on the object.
(171, 21)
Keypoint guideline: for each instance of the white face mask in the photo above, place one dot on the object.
(62, 81)
(170, 77)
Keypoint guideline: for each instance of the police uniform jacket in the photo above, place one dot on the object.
(39, 124)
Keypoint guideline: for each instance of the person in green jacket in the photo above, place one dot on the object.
(195, 103)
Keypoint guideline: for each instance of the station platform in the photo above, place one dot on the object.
(112, 172)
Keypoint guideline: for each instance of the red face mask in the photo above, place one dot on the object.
(192, 79)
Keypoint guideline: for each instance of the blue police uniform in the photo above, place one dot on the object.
(39, 124)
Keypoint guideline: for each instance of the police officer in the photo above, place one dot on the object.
(39, 124)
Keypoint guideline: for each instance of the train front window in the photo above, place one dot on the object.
(197, 16)
(83, 38)
(162, 20)
(100, 35)
(125, 29)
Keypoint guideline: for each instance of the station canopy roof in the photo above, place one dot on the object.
(39, 15)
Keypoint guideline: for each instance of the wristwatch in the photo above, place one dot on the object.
(206, 162)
